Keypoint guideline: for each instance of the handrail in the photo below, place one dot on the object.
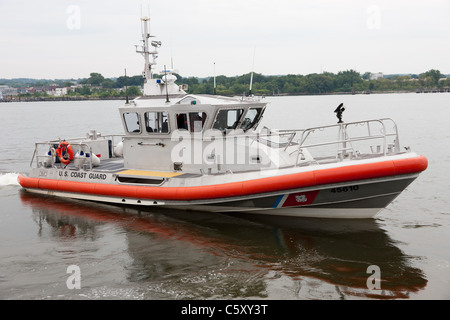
(347, 146)
(83, 146)
(343, 138)
(73, 142)
(291, 134)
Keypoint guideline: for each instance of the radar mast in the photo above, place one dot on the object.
(149, 50)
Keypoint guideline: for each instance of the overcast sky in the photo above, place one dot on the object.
(60, 39)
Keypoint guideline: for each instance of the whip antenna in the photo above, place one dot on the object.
(251, 74)
(126, 87)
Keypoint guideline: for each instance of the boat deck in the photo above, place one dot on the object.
(116, 165)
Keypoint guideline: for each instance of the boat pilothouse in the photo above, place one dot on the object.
(209, 153)
(194, 134)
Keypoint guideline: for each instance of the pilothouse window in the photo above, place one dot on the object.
(227, 119)
(251, 118)
(156, 122)
(193, 121)
(132, 121)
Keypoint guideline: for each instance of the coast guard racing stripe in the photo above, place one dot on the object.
(295, 199)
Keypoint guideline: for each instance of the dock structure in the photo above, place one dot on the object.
(433, 90)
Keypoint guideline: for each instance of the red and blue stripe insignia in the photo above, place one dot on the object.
(295, 199)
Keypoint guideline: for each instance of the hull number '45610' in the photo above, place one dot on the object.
(344, 189)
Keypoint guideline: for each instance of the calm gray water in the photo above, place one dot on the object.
(159, 254)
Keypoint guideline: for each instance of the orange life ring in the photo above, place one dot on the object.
(64, 152)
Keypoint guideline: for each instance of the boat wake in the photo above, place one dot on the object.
(8, 179)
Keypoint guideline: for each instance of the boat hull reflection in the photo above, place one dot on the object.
(170, 247)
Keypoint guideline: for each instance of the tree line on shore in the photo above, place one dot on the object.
(324, 83)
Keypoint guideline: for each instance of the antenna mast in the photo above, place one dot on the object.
(215, 91)
(251, 75)
(126, 86)
(145, 51)
(149, 50)
(166, 84)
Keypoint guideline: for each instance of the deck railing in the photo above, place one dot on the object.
(346, 138)
(44, 152)
(322, 144)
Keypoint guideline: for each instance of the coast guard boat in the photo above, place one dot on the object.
(208, 153)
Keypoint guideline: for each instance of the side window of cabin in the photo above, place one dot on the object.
(156, 122)
(132, 121)
(182, 122)
(196, 121)
(192, 121)
(227, 119)
(251, 118)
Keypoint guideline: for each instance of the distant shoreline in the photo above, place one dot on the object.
(37, 99)
(89, 98)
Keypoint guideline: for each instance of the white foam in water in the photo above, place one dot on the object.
(8, 179)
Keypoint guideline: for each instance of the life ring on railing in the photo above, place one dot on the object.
(64, 152)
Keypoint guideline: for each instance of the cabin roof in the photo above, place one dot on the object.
(161, 101)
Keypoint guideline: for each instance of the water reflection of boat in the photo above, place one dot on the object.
(185, 252)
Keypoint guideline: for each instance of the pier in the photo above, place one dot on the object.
(433, 90)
